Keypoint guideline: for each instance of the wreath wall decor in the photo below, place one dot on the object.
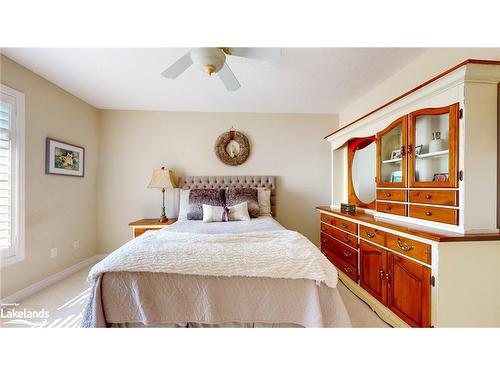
(232, 148)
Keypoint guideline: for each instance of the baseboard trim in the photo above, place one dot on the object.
(52, 279)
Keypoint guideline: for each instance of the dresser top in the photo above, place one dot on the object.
(415, 230)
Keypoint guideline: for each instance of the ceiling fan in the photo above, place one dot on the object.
(213, 61)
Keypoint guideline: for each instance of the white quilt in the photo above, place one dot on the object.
(277, 254)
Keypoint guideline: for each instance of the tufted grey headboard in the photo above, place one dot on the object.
(223, 182)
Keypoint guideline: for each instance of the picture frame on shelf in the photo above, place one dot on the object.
(418, 149)
(396, 154)
(440, 177)
(396, 176)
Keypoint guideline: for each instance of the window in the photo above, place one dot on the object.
(11, 176)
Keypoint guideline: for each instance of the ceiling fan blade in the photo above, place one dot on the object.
(227, 77)
(178, 67)
(269, 54)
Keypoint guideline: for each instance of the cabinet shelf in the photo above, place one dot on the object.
(398, 160)
(433, 154)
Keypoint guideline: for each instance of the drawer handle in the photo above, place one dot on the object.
(428, 213)
(388, 195)
(403, 246)
(388, 208)
(324, 240)
(428, 196)
(369, 235)
(347, 239)
(344, 225)
(381, 274)
(347, 254)
(348, 269)
(388, 278)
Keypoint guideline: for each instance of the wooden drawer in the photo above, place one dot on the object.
(345, 238)
(327, 229)
(442, 197)
(439, 214)
(391, 195)
(342, 265)
(327, 219)
(342, 251)
(414, 249)
(391, 208)
(373, 235)
(139, 231)
(346, 225)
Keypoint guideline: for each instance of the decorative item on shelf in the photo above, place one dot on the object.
(396, 154)
(396, 176)
(418, 150)
(232, 147)
(436, 144)
(162, 179)
(440, 177)
(348, 208)
(63, 158)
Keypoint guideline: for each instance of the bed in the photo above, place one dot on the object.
(230, 274)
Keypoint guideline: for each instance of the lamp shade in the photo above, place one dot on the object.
(162, 179)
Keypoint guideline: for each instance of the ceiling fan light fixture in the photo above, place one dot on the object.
(210, 60)
(209, 69)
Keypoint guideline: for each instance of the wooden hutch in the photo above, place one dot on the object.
(423, 248)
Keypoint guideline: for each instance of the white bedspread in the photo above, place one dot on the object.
(276, 254)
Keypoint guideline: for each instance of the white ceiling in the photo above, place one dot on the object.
(304, 80)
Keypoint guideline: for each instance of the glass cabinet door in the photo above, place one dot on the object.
(391, 147)
(432, 147)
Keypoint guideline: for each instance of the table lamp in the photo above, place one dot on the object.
(162, 179)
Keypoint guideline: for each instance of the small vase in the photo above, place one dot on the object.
(436, 144)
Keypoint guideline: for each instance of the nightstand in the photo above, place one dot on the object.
(141, 226)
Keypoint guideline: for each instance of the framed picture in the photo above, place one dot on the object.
(396, 154)
(396, 176)
(64, 158)
(440, 177)
(418, 150)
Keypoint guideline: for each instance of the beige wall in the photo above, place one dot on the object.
(132, 143)
(59, 209)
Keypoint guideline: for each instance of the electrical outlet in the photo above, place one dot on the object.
(76, 244)
(53, 252)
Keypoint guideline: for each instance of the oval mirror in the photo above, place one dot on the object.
(362, 172)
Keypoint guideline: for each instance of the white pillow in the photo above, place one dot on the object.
(238, 212)
(264, 198)
(183, 204)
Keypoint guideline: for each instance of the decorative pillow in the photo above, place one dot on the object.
(218, 213)
(183, 204)
(214, 213)
(239, 212)
(264, 198)
(239, 195)
(199, 197)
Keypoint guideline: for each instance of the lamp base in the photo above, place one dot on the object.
(163, 219)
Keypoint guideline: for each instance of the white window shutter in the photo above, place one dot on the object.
(11, 176)
(6, 240)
